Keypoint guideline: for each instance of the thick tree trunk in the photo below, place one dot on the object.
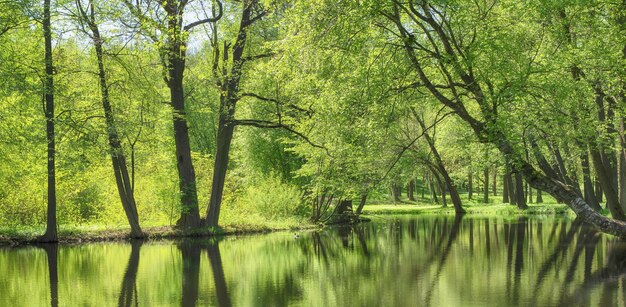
(120, 169)
(176, 57)
(51, 217)
(190, 215)
(486, 185)
(224, 139)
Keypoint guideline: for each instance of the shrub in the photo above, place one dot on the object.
(271, 198)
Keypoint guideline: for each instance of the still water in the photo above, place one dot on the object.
(391, 261)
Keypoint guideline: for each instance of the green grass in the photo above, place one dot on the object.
(101, 232)
(471, 208)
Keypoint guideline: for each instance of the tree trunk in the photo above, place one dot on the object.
(228, 101)
(598, 190)
(512, 194)
(470, 186)
(51, 217)
(608, 187)
(539, 197)
(176, 57)
(488, 129)
(411, 190)
(118, 158)
(605, 162)
(454, 195)
(486, 185)
(519, 192)
(224, 139)
(622, 165)
(588, 192)
(495, 182)
(359, 209)
(433, 191)
(395, 192)
(444, 198)
(505, 189)
(423, 185)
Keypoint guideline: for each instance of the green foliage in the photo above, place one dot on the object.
(273, 199)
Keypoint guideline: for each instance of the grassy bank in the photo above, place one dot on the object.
(93, 233)
(471, 208)
(251, 223)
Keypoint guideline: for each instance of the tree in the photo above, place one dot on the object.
(229, 82)
(459, 76)
(48, 89)
(124, 185)
(173, 52)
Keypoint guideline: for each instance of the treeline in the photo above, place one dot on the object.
(337, 101)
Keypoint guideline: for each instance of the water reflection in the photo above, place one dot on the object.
(128, 292)
(397, 261)
(52, 254)
(221, 289)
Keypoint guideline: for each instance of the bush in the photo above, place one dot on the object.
(271, 198)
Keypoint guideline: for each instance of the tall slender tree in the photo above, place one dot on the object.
(120, 169)
(48, 96)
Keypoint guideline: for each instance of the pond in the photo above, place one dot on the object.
(391, 261)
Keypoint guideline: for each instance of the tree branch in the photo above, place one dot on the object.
(272, 125)
(207, 20)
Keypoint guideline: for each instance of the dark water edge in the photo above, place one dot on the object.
(391, 261)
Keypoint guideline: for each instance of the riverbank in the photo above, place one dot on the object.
(69, 234)
(471, 208)
(76, 234)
